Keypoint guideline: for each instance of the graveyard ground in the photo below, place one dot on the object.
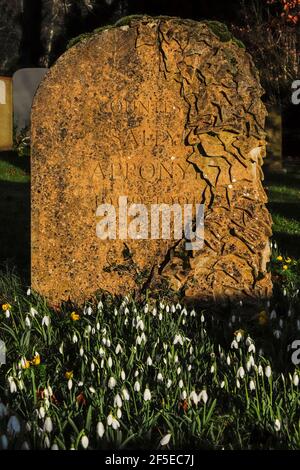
(120, 374)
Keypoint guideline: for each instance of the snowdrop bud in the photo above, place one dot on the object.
(102, 363)
(260, 370)
(123, 375)
(238, 383)
(183, 321)
(74, 339)
(13, 426)
(109, 362)
(101, 352)
(160, 377)
(222, 384)
(112, 383)
(173, 308)
(281, 323)
(85, 442)
(167, 308)
(104, 341)
(160, 316)
(70, 384)
(61, 348)
(284, 292)
(100, 429)
(118, 401)
(296, 379)
(147, 395)
(268, 371)
(180, 384)
(89, 310)
(241, 373)
(252, 385)
(146, 308)
(100, 305)
(212, 369)
(137, 386)
(169, 383)
(149, 361)
(228, 360)
(27, 322)
(81, 351)
(154, 312)
(277, 425)
(118, 348)
(92, 390)
(189, 367)
(48, 426)
(28, 292)
(178, 370)
(136, 373)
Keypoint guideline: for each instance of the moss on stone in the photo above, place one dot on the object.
(223, 33)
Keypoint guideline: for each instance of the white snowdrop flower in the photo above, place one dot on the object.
(33, 312)
(54, 447)
(239, 337)
(102, 363)
(251, 348)
(100, 429)
(126, 311)
(4, 442)
(80, 383)
(180, 383)
(277, 334)
(167, 308)
(160, 377)
(252, 385)
(118, 348)
(140, 325)
(109, 362)
(74, 339)
(70, 384)
(101, 352)
(137, 386)
(178, 339)
(46, 320)
(296, 379)
(173, 308)
(48, 425)
(125, 394)
(146, 308)
(160, 316)
(183, 395)
(193, 313)
(234, 344)
(184, 311)
(178, 306)
(138, 340)
(212, 369)
(149, 361)
(248, 341)
(233, 318)
(194, 397)
(98, 326)
(104, 341)
(3, 410)
(12, 385)
(13, 426)
(189, 367)
(284, 292)
(203, 396)
(178, 370)
(88, 328)
(118, 401)
(280, 323)
(143, 337)
(25, 446)
(112, 383)
(169, 383)
(136, 373)
(123, 375)
(92, 390)
(176, 359)
(154, 312)
(147, 394)
(238, 383)
(119, 413)
(268, 371)
(260, 370)
(183, 321)
(115, 423)
(161, 306)
(61, 348)
(273, 315)
(89, 310)
(93, 331)
(228, 360)
(250, 363)
(240, 373)
(191, 350)
(277, 425)
(27, 321)
(85, 442)
(222, 384)
(41, 412)
(28, 292)
(7, 313)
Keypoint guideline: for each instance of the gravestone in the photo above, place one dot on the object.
(25, 84)
(6, 125)
(159, 110)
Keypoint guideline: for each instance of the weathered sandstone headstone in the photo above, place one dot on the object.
(6, 114)
(161, 111)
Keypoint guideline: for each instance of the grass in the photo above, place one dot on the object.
(233, 384)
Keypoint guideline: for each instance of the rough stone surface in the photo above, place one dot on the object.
(160, 110)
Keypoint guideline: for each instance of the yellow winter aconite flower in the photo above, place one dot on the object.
(279, 258)
(69, 374)
(26, 364)
(262, 318)
(36, 360)
(288, 260)
(239, 332)
(6, 307)
(75, 316)
(285, 267)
